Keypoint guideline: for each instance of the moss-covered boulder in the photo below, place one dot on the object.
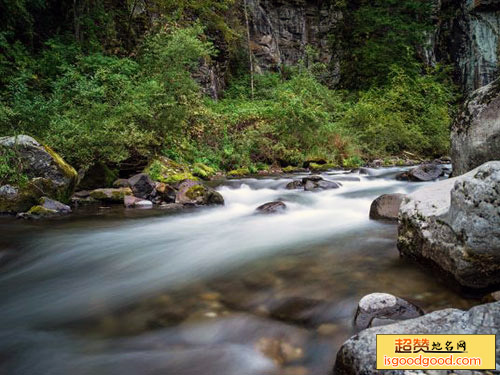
(111, 195)
(168, 171)
(46, 208)
(238, 173)
(32, 170)
(194, 193)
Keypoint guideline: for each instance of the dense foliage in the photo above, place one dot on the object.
(111, 86)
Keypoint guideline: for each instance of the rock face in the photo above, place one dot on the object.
(386, 207)
(358, 354)
(194, 193)
(271, 208)
(383, 306)
(47, 173)
(281, 30)
(454, 224)
(467, 36)
(475, 137)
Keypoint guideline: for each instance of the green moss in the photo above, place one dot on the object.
(352, 162)
(241, 172)
(195, 192)
(321, 167)
(203, 171)
(111, 195)
(165, 170)
(41, 211)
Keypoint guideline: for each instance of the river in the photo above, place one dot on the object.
(215, 291)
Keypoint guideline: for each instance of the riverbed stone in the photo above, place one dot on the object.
(46, 208)
(46, 172)
(475, 133)
(386, 207)
(294, 185)
(271, 207)
(358, 354)
(195, 193)
(383, 306)
(454, 225)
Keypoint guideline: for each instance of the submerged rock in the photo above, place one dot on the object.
(454, 224)
(130, 201)
(386, 207)
(383, 306)
(194, 193)
(271, 207)
(475, 135)
(358, 354)
(47, 174)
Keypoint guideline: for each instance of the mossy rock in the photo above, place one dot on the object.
(98, 176)
(41, 211)
(111, 195)
(194, 193)
(47, 174)
(241, 172)
(293, 169)
(168, 171)
(321, 167)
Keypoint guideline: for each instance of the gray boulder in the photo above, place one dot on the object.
(383, 306)
(386, 207)
(358, 354)
(475, 134)
(294, 185)
(454, 224)
(422, 173)
(46, 173)
(194, 193)
(111, 195)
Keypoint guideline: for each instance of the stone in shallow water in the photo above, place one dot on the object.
(383, 306)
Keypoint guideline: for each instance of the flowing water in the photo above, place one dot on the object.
(216, 290)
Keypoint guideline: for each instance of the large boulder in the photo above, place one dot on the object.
(194, 193)
(358, 354)
(386, 207)
(475, 134)
(45, 174)
(454, 224)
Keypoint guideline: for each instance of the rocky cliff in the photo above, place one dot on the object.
(466, 35)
